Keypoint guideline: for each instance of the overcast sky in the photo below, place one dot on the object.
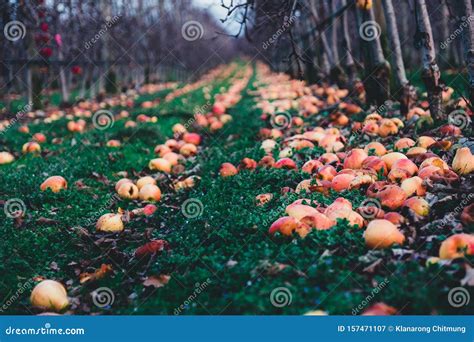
(219, 12)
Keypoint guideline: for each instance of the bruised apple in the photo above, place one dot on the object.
(457, 246)
(54, 183)
(128, 190)
(49, 295)
(141, 182)
(228, 170)
(150, 192)
(382, 234)
(122, 181)
(110, 223)
(285, 225)
(160, 164)
(298, 211)
(377, 148)
(463, 162)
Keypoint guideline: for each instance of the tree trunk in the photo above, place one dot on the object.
(349, 60)
(444, 34)
(62, 79)
(333, 25)
(466, 24)
(106, 13)
(405, 90)
(29, 83)
(431, 73)
(335, 72)
(377, 77)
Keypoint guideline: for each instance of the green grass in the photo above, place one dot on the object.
(227, 247)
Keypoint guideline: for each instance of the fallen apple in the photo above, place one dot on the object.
(49, 295)
(110, 223)
(382, 233)
(54, 183)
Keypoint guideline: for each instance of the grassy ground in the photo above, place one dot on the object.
(222, 261)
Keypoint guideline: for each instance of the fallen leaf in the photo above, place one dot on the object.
(157, 281)
(45, 220)
(97, 274)
(151, 248)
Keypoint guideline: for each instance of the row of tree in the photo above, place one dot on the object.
(341, 40)
(101, 46)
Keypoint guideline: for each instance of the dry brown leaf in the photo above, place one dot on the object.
(98, 274)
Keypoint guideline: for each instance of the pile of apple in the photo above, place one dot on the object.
(217, 117)
(395, 180)
(50, 295)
